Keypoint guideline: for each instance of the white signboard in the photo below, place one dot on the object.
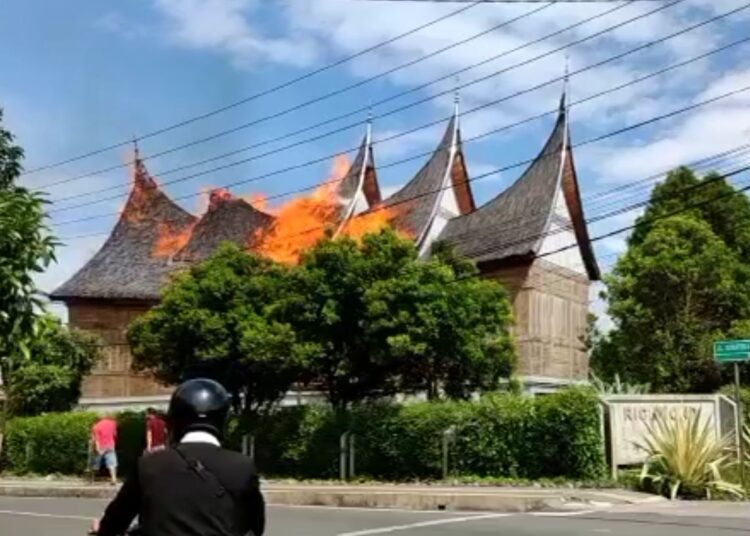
(630, 415)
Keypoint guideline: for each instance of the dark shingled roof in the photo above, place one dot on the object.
(514, 223)
(126, 266)
(227, 219)
(361, 176)
(414, 204)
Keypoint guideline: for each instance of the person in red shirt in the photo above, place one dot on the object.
(104, 437)
(156, 431)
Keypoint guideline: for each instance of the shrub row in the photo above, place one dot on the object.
(502, 435)
(499, 436)
(58, 442)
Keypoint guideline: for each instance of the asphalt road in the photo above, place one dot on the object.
(71, 517)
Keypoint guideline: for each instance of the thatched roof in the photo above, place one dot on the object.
(155, 237)
(126, 266)
(416, 205)
(227, 219)
(514, 223)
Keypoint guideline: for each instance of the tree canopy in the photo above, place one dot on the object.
(26, 248)
(225, 318)
(50, 380)
(354, 319)
(681, 285)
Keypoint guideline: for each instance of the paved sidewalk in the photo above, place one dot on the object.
(411, 497)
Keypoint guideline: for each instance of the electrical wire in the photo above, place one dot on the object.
(260, 94)
(424, 126)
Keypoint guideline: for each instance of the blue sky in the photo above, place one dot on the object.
(76, 79)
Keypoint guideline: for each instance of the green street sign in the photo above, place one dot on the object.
(732, 351)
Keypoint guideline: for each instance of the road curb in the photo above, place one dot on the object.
(444, 498)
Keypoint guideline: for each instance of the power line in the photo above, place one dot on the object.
(421, 127)
(364, 109)
(427, 125)
(646, 221)
(263, 93)
(253, 179)
(589, 141)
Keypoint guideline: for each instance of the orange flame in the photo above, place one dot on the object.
(144, 186)
(170, 239)
(303, 221)
(260, 202)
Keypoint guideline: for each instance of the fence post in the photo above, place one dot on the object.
(29, 453)
(448, 436)
(352, 438)
(248, 445)
(343, 443)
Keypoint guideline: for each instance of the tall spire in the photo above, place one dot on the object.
(566, 86)
(456, 97)
(136, 152)
(368, 132)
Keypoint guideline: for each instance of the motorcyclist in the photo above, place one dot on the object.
(196, 487)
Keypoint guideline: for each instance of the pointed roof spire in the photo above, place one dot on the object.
(566, 85)
(136, 152)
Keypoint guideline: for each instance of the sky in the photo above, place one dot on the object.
(76, 80)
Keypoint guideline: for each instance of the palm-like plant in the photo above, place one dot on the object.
(685, 455)
(618, 387)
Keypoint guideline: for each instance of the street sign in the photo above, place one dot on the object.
(735, 352)
(732, 351)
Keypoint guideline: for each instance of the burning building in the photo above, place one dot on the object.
(521, 237)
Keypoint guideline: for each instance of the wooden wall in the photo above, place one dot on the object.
(550, 304)
(112, 377)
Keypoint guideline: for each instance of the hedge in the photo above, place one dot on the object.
(500, 435)
(58, 442)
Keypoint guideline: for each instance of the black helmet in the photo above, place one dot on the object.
(198, 405)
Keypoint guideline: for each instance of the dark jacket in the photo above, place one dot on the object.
(206, 491)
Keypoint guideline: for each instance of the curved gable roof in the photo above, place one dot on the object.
(127, 266)
(514, 223)
(227, 219)
(418, 201)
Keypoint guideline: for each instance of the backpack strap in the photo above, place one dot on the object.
(198, 468)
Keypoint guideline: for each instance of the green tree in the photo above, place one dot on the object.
(380, 320)
(50, 380)
(450, 332)
(224, 318)
(670, 296)
(710, 198)
(26, 248)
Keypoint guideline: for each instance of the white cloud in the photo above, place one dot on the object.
(698, 134)
(225, 26)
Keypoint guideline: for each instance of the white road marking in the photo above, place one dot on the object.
(39, 514)
(432, 523)
(562, 514)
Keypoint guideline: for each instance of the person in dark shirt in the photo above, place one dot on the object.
(156, 431)
(197, 487)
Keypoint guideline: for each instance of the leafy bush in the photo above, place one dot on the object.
(686, 458)
(131, 440)
(58, 442)
(53, 443)
(501, 435)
